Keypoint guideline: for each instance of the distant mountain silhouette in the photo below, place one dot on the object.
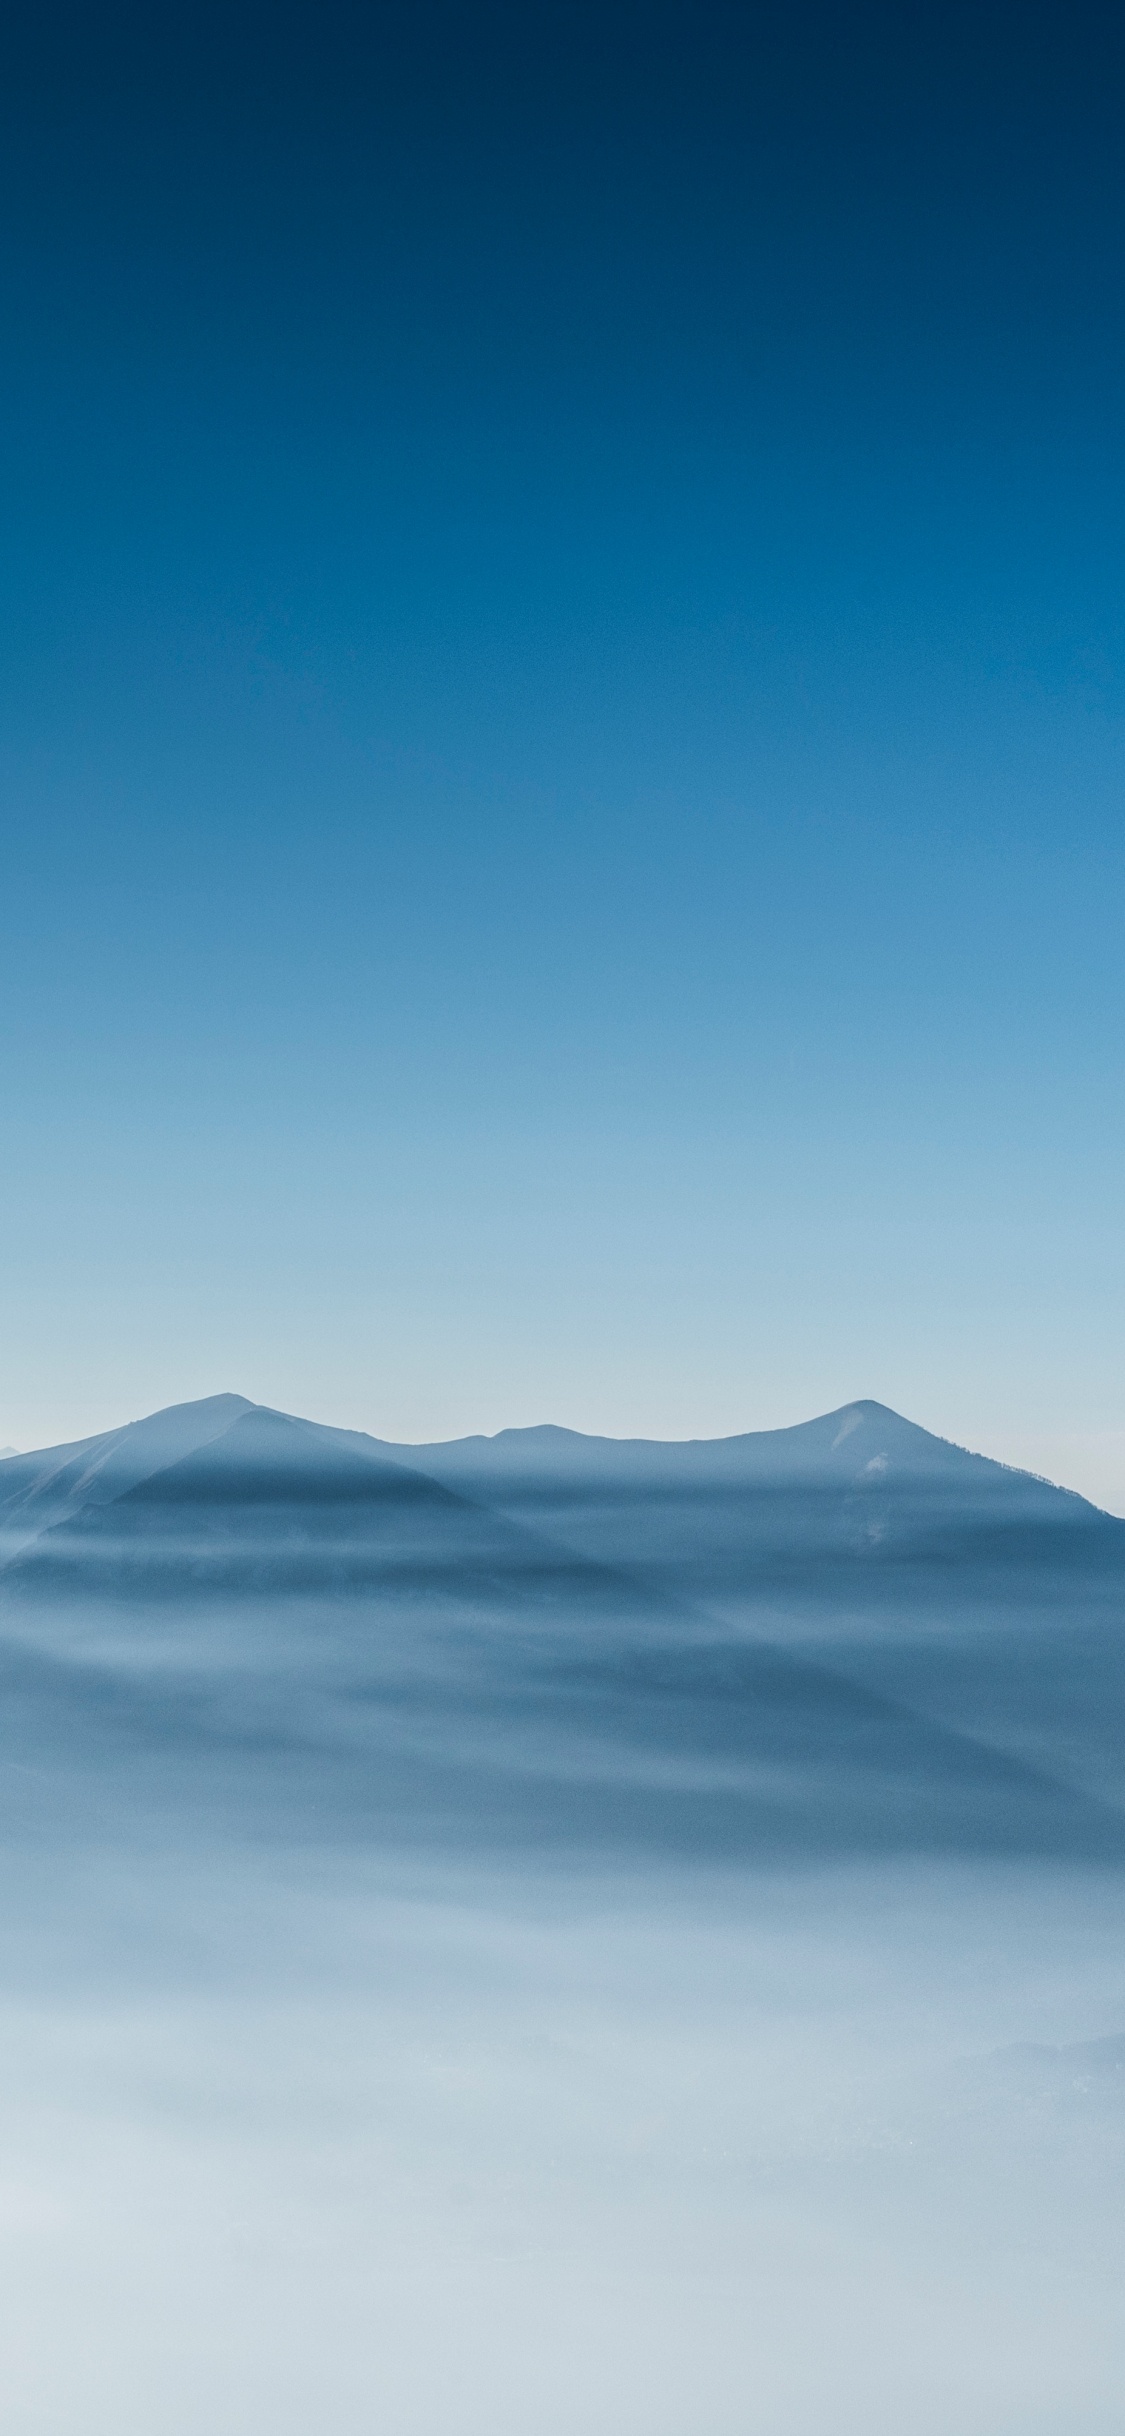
(258, 1501)
(847, 1636)
(863, 1448)
(39, 1491)
(856, 1496)
(858, 1443)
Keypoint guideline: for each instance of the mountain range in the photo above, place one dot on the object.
(870, 1472)
(845, 1635)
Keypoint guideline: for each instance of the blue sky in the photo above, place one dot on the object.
(561, 752)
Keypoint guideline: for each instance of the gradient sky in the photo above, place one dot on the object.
(563, 694)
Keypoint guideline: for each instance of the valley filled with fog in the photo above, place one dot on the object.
(558, 1933)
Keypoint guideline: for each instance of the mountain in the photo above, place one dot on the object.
(863, 1471)
(858, 1442)
(856, 1504)
(978, 1595)
(39, 1491)
(849, 1636)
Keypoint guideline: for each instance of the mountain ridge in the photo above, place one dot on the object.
(720, 1518)
(194, 1419)
(727, 1623)
(798, 1450)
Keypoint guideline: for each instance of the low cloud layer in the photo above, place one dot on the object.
(463, 1975)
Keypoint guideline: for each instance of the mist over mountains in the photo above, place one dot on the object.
(561, 1931)
(859, 1482)
(849, 1636)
